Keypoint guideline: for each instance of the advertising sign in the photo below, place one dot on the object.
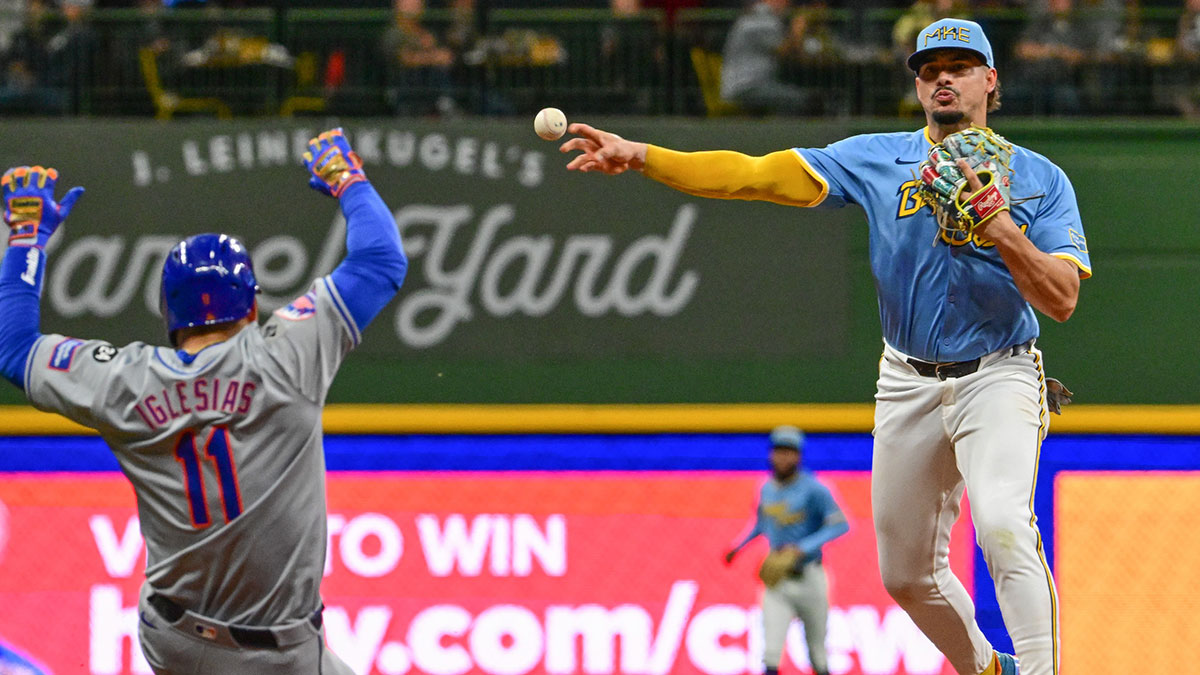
(505, 573)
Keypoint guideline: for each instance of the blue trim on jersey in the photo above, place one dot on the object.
(20, 311)
(194, 371)
(355, 334)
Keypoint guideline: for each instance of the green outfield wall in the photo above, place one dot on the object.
(531, 285)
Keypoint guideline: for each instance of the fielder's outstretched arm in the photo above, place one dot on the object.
(375, 264)
(32, 216)
(780, 177)
(754, 532)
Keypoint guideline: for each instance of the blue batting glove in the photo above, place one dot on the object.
(332, 164)
(29, 207)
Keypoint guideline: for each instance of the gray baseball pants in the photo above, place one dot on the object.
(805, 597)
(173, 650)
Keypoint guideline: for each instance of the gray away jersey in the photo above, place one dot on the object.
(224, 451)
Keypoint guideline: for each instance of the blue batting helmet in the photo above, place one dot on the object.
(207, 279)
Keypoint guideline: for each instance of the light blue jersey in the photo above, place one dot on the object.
(799, 513)
(943, 298)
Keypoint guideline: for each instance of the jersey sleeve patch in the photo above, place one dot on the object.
(304, 307)
(104, 353)
(63, 354)
(1078, 240)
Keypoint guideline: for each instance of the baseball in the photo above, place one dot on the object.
(550, 124)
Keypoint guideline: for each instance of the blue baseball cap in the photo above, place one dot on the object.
(787, 437)
(952, 34)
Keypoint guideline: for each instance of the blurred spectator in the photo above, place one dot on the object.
(758, 41)
(463, 32)
(418, 64)
(1187, 51)
(1059, 40)
(73, 52)
(812, 37)
(1047, 56)
(1189, 30)
(671, 7)
(904, 39)
(154, 32)
(918, 15)
(29, 86)
(12, 17)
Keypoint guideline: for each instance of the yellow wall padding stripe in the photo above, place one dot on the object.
(656, 418)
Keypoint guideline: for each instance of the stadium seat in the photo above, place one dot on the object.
(708, 72)
(167, 103)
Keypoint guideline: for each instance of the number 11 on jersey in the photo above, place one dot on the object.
(216, 450)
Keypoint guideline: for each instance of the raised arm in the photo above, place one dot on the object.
(779, 177)
(755, 531)
(32, 216)
(375, 264)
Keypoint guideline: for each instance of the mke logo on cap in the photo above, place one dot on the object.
(960, 33)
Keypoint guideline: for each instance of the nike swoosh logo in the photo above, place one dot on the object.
(145, 620)
(906, 161)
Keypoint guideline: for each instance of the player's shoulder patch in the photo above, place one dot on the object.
(63, 354)
(300, 309)
(104, 352)
(1078, 240)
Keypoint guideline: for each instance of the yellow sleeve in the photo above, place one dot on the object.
(781, 177)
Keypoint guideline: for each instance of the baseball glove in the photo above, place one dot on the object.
(945, 188)
(1057, 395)
(778, 565)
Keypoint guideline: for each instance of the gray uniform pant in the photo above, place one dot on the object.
(171, 650)
(805, 597)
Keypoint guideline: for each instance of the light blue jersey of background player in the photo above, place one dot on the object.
(797, 510)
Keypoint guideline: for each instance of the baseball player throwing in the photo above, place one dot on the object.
(968, 235)
(798, 516)
(220, 433)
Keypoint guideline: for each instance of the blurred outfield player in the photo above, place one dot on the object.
(798, 516)
(220, 433)
(962, 394)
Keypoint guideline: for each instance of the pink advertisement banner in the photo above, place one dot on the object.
(505, 573)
